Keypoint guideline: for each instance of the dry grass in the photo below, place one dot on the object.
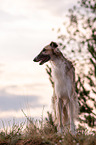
(45, 133)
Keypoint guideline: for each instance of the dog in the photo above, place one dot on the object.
(65, 102)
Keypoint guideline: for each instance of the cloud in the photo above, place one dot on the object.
(35, 8)
(57, 8)
(1, 68)
(7, 17)
(10, 102)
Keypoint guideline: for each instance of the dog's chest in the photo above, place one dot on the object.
(61, 81)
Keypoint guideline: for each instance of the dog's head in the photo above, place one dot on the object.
(47, 53)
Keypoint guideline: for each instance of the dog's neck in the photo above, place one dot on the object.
(60, 63)
(58, 60)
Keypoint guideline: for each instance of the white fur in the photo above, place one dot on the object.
(66, 101)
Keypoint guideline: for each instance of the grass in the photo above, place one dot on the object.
(44, 133)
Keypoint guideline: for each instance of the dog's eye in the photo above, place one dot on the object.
(44, 50)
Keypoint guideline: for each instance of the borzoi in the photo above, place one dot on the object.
(63, 74)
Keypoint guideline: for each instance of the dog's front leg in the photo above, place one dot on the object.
(60, 110)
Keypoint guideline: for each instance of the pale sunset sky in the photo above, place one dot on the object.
(25, 28)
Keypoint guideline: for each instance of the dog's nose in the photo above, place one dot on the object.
(34, 59)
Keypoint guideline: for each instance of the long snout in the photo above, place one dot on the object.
(42, 58)
(37, 58)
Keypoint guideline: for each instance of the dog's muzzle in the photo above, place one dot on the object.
(42, 58)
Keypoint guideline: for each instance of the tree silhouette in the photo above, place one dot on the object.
(77, 39)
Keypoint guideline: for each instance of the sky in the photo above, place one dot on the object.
(25, 28)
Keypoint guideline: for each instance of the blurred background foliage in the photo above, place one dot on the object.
(77, 40)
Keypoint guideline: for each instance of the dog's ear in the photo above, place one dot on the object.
(54, 44)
